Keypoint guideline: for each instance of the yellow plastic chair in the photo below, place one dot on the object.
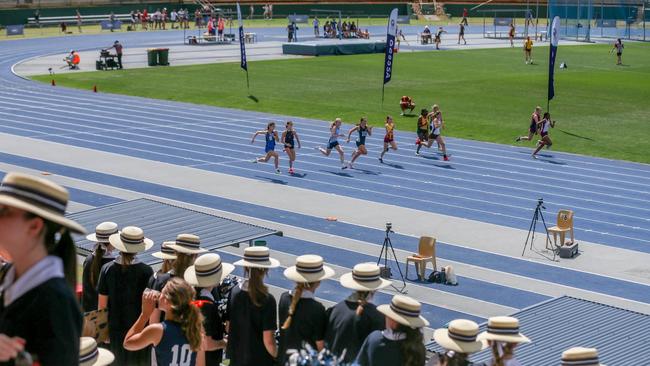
(426, 253)
(564, 225)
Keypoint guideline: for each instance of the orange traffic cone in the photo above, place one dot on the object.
(53, 83)
(95, 88)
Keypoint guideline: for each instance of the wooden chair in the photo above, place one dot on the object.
(426, 252)
(564, 225)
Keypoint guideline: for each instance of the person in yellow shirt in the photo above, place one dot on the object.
(528, 51)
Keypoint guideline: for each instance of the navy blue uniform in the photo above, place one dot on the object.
(174, 349)
(363, 133)
(289, 140)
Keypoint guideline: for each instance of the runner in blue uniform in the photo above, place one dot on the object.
(333, 142)
(289, 138)
(363, 130)
(270, 138)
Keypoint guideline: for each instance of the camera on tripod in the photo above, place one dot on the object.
(540, 203)
(389, 227)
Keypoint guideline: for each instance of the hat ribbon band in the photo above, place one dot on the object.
(365, 278)
(256, 258)
(92, 354)
(129, 241)
(303, 269)
(167, 250)
(404, 312)
(207, 272)
(34, 197)
(461, 337)
(506, 331)
(102, 236)
(585, 361)
(191, 244)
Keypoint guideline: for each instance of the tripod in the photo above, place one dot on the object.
(531, 231)
(383, 255)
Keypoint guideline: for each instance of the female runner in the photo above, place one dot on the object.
(389, 138)
(436, 124)
(289, 138)
(423, 130)
(544, 127)
(363, 130)
(271, 137)
(534, 122)
(333, 142)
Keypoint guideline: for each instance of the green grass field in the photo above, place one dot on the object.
(601, 109)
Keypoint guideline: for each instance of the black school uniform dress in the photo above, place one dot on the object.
(247, 324)
(212, 324)
(347, 331)
(381, 348)
(124, 286)
(307, 325)
(89, 298)
(41, 308)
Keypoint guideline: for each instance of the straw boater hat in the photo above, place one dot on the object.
(102, 232)
(39, 196)
(187, 244)
(207, 271)
(405, 311)
(130, 240)
(166, 252)
(91, 355)
(364, 277)
(309, 268)
(459, 336)
(580, 356)
(257, 257)
(504, 329)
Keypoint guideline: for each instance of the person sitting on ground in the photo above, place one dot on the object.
(405, 103)
(73, 60)
(426, 35)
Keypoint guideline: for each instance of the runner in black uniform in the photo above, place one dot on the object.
(363, 130)
(534, 122)
(544, 126)
(423, 130)
(289, 138)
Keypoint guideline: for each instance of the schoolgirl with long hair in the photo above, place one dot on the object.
(270, 138)
(120, 287)
(353, 319)
(389, 138)
(503, 336)
(94, 262)
(459, 339)
(186, 248)
(289, 139)
(252, 315)
(207, 272)
(302, 318)
(363, 130)
(401, 343)
(39, 313)
(177, 340)
(333, 142)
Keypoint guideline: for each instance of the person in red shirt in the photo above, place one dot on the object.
(145, 19)
(221, 24)
(405, 103)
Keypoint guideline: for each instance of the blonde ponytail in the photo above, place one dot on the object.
(300, 287)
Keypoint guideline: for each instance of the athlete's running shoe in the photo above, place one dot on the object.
(350, 166)
(445, 158)
(518, 139)
(417, 153)
(277, 171)
(254, 161)
(291, 171)
(534, 156)
(381, 160)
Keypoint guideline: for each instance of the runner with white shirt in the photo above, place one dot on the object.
(544, 126)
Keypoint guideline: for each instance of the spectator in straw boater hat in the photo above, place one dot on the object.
(460, 339)
(580, 356)
(503, 336)
(186, 248)
(91, 355)
(102, 254)
(120, 287)
(303, 318)
(168, 256)
(401, 343)
(353, 319)
(207, 272)
(252, 313)
(38, 308)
